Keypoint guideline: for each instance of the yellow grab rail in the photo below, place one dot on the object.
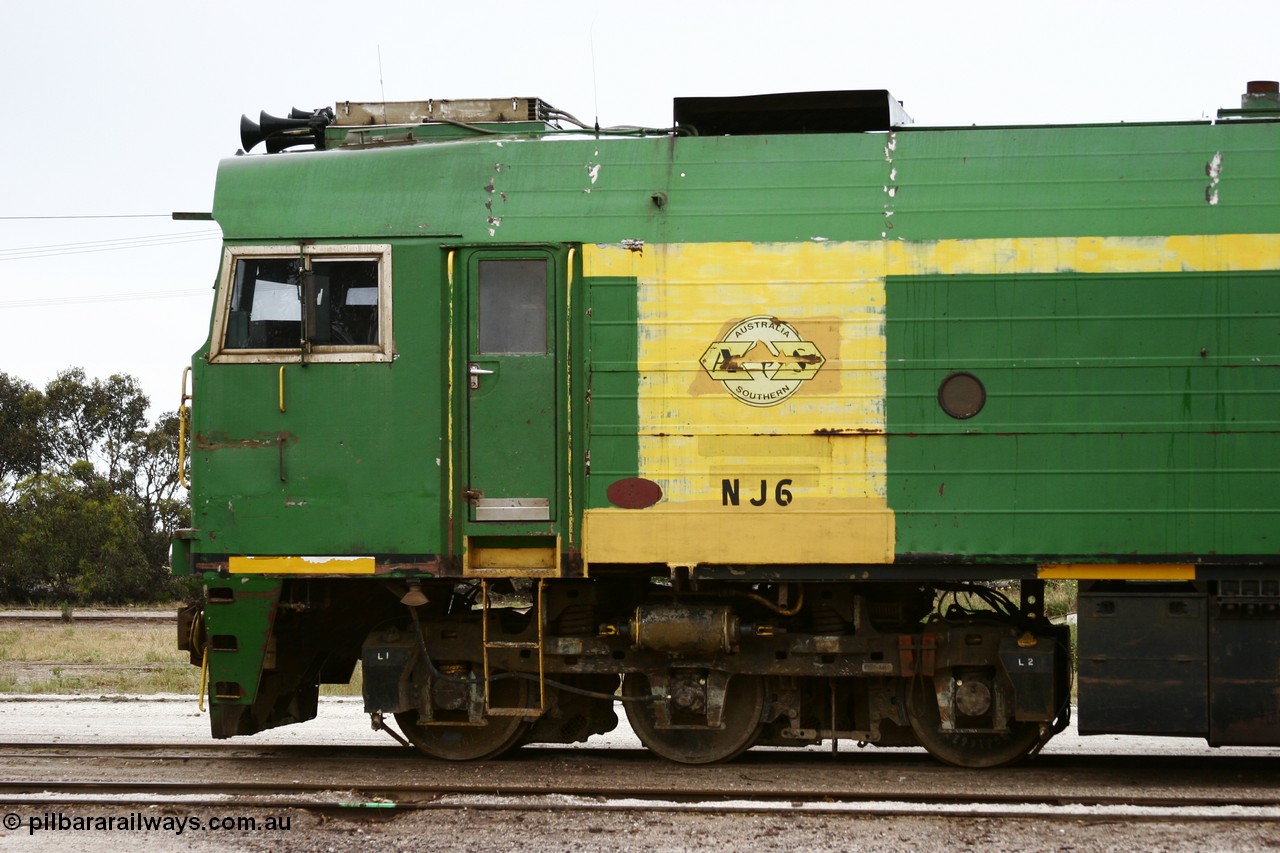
(184, 414)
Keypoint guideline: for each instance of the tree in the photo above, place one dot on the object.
(76, 541)
(160, 501)
(93, 421)
(89, 491)
(21, 443)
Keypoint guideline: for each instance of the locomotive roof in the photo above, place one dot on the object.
(774, 171)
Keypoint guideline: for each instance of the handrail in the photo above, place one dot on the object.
(184, 414)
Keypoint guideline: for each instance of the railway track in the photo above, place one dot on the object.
(123, 616)
(692, 801)
(625, 781)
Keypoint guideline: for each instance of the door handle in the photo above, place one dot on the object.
(475, 371)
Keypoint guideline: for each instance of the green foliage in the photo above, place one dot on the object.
(89, 492)
(21, 442)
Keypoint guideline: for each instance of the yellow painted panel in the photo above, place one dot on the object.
(1118, 571)
(511, 558)
(300, 565)
(534, 561)
(835, 532)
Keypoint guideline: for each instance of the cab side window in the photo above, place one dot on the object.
(331, 301)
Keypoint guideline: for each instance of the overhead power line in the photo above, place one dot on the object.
(57, 249)
(95, 216)
(105, 297)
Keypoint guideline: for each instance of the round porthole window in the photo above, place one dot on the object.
(961, 395)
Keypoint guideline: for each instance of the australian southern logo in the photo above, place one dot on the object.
(762, 361)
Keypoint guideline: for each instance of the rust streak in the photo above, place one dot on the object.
(221, 441)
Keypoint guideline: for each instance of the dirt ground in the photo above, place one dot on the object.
(594, 832)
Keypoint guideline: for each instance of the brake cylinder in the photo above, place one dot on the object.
(684, 628)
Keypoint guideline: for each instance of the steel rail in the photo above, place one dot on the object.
(244, 797)
(414, 795)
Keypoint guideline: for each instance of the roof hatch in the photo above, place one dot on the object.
(846, 111)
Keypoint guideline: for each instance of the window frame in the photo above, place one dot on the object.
(382, 351)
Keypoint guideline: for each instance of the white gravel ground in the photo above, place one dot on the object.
(342, 721)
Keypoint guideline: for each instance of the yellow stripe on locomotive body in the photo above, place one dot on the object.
(301, 565)
(749, 480)
(1118, 571)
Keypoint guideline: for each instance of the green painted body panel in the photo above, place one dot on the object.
(240, 626)
(1102, 425)
(350, 431)
(613, 415)
(1125, 415)
(293, 482)
(1055, 181)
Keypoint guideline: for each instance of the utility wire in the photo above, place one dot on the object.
(110, 240)
(94, 216)
(105, 297)
(105, 245)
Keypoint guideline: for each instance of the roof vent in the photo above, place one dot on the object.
(847, 111)
(1261, 94)
(1261, 99)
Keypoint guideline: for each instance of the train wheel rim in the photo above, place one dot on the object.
(744, 702)
(964, 749)
(496, 736)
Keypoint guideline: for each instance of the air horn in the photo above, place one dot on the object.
(300, 128)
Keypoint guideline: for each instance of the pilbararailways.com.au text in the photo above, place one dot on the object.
(140, 822)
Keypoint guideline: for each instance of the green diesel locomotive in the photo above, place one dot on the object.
(769, 426)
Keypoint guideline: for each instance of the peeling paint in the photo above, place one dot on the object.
(890, 189)
(593, 172)
(212, 441)
(1214, 170)
(819, 239)
(633, 245)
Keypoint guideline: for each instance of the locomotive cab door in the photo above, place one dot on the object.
(512, 397)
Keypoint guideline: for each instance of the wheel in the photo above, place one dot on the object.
(744, 701)
(965, 749)
(464, 742)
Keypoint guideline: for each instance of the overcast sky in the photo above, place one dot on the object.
(124, 109)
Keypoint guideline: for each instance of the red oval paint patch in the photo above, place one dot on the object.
(634, 493)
